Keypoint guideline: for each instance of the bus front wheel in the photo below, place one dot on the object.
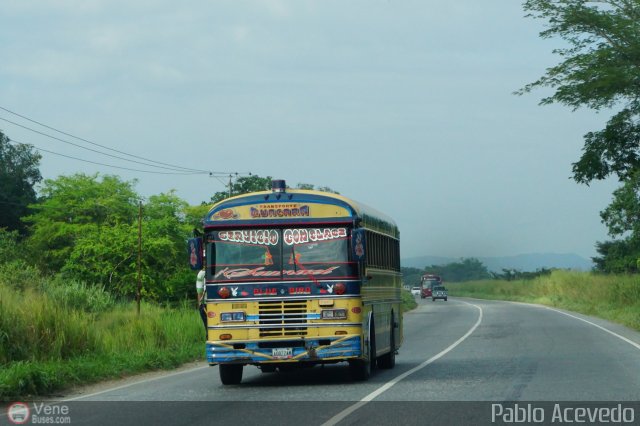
(230, 374)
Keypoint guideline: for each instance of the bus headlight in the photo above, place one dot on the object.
(333, 314)
(233, 317)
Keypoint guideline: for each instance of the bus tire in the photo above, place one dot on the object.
(361, 369)
(388, 360)
(230, 374)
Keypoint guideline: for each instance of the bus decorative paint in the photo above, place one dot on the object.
(297, 277)
(261, 211)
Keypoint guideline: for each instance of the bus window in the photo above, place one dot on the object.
(243, 254)
(322, 252)
(271, 254)
(326, 245)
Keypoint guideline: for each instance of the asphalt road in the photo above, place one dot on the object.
(455, 351)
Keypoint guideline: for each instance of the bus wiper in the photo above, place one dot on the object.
(293, 258)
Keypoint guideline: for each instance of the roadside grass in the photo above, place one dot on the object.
(408, 301)
(61, 336)
(612, 297)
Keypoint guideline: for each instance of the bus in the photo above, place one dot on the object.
(299, 278)
(427, 284)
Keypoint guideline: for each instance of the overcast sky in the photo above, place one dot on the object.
(406, 106)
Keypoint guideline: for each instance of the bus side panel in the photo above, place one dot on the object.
(381, 294)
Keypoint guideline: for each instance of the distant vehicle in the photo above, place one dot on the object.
(415, 291)
(439, 293)
(428, 282)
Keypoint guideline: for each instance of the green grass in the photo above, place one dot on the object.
(52, 338)
(408, 301)
(612, 297)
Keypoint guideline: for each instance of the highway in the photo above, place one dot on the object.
(455, 351)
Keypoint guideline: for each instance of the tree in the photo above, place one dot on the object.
(19, 173)
(411, 276)
(108, 255)
(600, 70)
(72, 207)
(622, 218)
(310, 186)
(86, 226)
(243, 185)
(255, 183)
(515, 274)
(194, 215)
(618, 256)
(467, 269)
(9, 246)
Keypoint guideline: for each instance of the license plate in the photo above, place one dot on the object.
(281, 353)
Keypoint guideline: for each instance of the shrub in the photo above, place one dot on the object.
(77, 295)
(9, 246)
(19, 275)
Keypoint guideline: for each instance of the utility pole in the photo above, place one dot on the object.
(139, 256)
(229, 186)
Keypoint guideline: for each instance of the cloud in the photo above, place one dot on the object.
(241, 33)
(277, 8)
(109, 39)
(51, 65)
(163, 73)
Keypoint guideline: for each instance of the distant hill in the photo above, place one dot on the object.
(521, 262)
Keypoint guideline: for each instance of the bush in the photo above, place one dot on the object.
(9, 247)
(19, 275)
(34, 327)
(53, 319)
(77, 295)
(408, 301)
(51, 339)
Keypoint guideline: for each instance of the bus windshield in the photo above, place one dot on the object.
(277, 254)
(430, 283)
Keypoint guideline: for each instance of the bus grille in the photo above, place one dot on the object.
(283, 318)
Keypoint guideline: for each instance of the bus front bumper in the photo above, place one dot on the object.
(318, 350)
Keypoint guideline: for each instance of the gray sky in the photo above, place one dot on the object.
(404, 105)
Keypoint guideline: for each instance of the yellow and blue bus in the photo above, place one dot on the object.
(299, 277)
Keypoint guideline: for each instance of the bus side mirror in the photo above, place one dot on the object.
(358, 245)
(194, 250)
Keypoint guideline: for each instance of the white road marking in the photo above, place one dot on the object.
(364, 401)
(134, 383)
(535, 305)
(631, 342)
(4, 413)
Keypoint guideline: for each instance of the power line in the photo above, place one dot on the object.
(178, 169)
(13, 141)
(99, 152)
(93, 143)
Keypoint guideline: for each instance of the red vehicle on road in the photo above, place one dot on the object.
(428, 282)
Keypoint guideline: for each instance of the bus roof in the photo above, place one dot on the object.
(296, 206)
